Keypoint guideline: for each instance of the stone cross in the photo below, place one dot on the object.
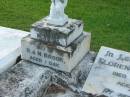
(57, 15)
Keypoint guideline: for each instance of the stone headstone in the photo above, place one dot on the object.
(10, 43)
(110, 74)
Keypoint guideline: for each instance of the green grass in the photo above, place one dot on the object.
(108, 20)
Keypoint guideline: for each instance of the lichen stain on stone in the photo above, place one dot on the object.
(53, 88)
(50, 36)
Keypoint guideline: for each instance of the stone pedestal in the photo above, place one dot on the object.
(57, 35)
(58, 47)
(57, 57)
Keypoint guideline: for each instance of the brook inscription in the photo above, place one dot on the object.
(42, 56)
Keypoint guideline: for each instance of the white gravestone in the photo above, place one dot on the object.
(110, 74)
(57, 15)
(10, 42)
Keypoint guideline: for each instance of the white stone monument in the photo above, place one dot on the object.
(57, 15)
(56, 41)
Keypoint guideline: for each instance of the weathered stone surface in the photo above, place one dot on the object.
(76, 79)
(65, 94)
(57, 35)
(57, 57)
(26, 76)
(24, 80)
(55, 88)
(31, 78)
(110, 74)
(10, 43)
(51, 92)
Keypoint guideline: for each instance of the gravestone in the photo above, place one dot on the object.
(57, 46)
(110, 74)
(57, 42)
(10, 43)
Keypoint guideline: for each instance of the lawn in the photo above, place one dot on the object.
(107, 20)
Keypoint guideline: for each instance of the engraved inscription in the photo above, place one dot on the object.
(43, 57)
(125, 85)
(36, 59)
(110, 74)
(48, 56)
(53, 63)
(119, 75)
(109, 54)
(117, 65)
(123, 58)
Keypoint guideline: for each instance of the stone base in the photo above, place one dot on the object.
(24, 80)
(30, 80)
(57, 35)
(57, 57)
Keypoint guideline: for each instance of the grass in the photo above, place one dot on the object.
(108, 20)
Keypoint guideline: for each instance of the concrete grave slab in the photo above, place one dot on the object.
(110, 74)
(10, 43)
(25, 79)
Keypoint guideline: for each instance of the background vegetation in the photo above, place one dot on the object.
(108, 20)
